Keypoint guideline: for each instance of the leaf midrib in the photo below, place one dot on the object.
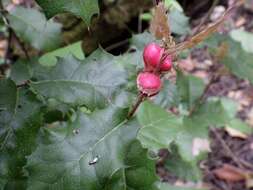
(71, 81)
(90, 149)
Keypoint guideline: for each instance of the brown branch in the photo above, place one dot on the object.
(21, 44)
(140, 99)
(116, 45)
(205, 18)
(140, 22)
(155, 2)
(8, 48)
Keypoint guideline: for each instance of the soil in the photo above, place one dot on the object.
(227, 150)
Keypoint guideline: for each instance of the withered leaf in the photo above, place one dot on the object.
(235, 133)
(230, 173)
(159, 25)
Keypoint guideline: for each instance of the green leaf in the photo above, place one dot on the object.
(146, 16)
(190, 88)
(239, 125)
(187, 170)
(21, 72)
(141, 173)
(101, 154)
(159, 128)
(216, 112)
(50, 59)
(91, 82)
(244, 37)
(2, 183)
(168, 96)
(81, 8)
(139, 41)
(18, 139)
(32, 26)
(236, 59)
(179, 23)
(239, 61)
(173, 4)
(8, 95)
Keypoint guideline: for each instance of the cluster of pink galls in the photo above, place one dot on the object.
(149, 81)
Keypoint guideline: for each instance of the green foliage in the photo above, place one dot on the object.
(236, 59)
(139, 41)
(33, 28)
(215, 112)
(81, 8)
(161, 129)
(239, 61)
(190, 89)
(173, 4)
(245, 38)
(8, 95)
(183, 169)
(50, 59)
(21, 72)
(91, 82)
(179, 23)
(239, 125)
(168, 96)
(18, 139)
(63, 158)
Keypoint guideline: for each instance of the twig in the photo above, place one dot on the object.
(140, 99)
(241, 163)
(205, 18)
(140, 21)
(22, 45)
(8, 48)
(113, 46)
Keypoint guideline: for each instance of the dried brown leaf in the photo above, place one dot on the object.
(230, 173)
(235, 133)
(159, 25)
(249, 182)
